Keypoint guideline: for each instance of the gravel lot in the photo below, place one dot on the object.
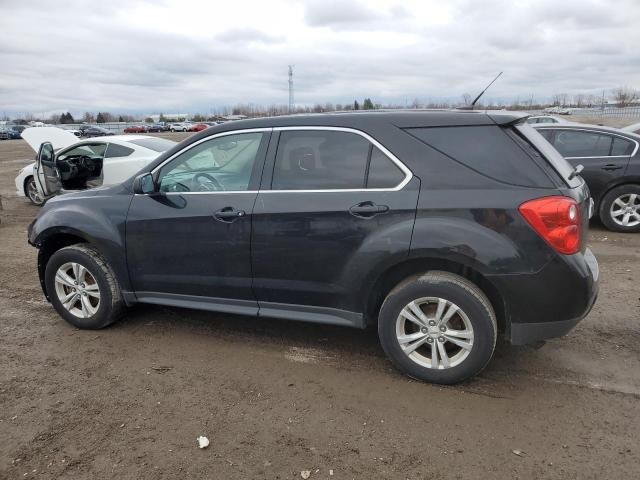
(275, 398)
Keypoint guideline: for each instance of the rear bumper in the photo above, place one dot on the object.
(551, 302)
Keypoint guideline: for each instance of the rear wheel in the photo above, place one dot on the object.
(32, 193)
(438, 327)
(82, 287)
(620, 209)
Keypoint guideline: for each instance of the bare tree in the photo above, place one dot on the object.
(559, 99)
(466, 98)
(625, 96)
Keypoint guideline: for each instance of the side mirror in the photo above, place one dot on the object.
(144, 184)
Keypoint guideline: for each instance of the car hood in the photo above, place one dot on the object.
(58, 137)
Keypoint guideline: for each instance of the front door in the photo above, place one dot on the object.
(190, 242)
(336, 207)
(47, 175)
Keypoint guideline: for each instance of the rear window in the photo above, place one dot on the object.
(115, 150)
(155, 144)
(488, 150)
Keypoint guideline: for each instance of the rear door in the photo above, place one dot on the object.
(334, 204)
(604, 156)
(47, 175)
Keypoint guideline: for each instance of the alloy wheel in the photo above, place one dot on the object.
(77, 290)
(625, 210)
(33, 193)
(434, 333)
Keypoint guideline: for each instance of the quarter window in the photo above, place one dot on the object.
(622, 146)
(331, 160)
(115, 150)
(383, 173)
(582, 144)
(221, 164)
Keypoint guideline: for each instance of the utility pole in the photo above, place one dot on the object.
(291, 88)
(602, 104)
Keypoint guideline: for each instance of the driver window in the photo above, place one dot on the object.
(222, 163)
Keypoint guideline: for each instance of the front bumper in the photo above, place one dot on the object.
(549, 303)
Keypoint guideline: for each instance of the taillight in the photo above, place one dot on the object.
(557, 221)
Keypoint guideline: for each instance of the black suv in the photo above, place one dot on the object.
(442, 230)
(611, 162)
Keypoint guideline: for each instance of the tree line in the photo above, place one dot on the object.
(622, 96)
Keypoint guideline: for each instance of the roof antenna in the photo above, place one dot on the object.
(470, 107)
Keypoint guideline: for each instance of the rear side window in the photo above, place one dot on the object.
(622, 146)
(582, 144)
(488, 150)
(320, 160)
(115, 150)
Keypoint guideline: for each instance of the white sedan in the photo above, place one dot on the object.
(80, 164)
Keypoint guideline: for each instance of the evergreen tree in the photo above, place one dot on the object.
(356, 105)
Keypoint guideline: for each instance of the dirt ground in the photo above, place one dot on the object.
(276, 398)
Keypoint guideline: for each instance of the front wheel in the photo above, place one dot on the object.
(620, 209)
(82, 287)
(438, 327)
(31, 190)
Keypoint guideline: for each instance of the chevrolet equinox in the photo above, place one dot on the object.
(443, 230)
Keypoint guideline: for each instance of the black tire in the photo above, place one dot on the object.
(37, 200)
(111, 305)
(607, 201)
(457, 290)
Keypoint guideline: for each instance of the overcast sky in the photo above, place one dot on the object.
(193, 56)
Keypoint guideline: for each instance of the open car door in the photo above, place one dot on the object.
(47, 175)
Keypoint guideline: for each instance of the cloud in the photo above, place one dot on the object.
(146, 56)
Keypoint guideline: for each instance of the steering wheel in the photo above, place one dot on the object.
(209, 185)
(87, 162)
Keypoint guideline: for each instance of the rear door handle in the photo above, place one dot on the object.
(367, 209)
(228, 214)
(611, 166)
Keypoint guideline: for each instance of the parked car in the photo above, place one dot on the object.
(11, 132)
(179, 127)
(198, 127)
(18, 128)
(157, 127)
(633, 128)
(611, 164)
(558, 110)
(93, 131)
(135, 129)
(80, 164)
(442, 230)
(545, 119)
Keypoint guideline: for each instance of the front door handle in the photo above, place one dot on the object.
(228, 214)
(367, 210)
(611, 166)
